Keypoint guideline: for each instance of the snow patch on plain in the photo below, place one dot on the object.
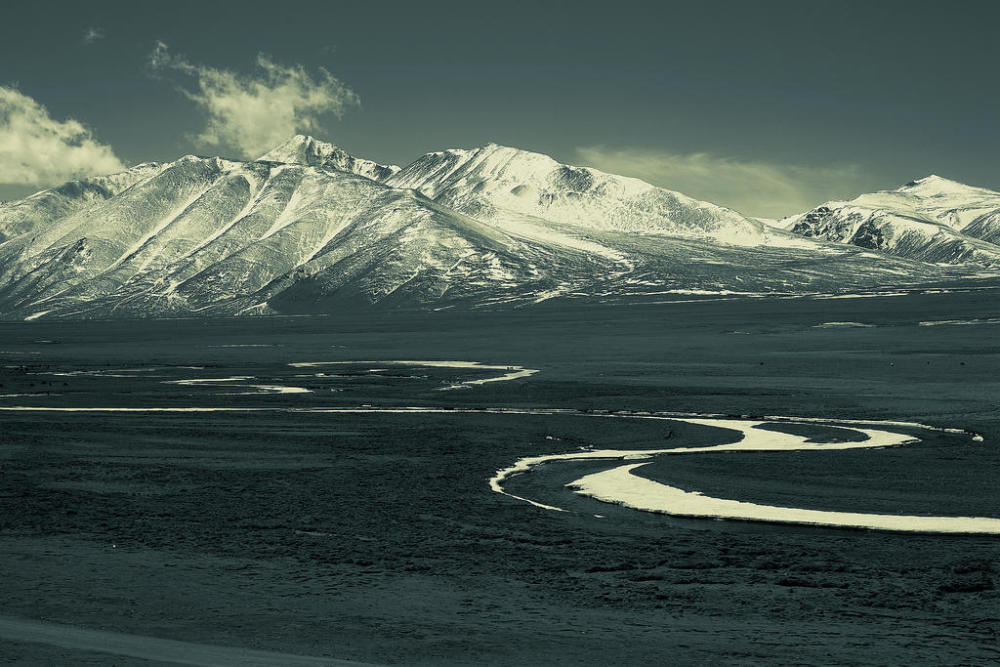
(974, 320)
(843, 325)
(512, 372)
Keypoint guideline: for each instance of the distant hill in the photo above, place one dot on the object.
(932, 220)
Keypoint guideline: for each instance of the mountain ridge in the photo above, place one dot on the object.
(492, 179)
(306, 229)
(931, 219)
(303, 149)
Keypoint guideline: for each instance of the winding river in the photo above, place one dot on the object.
(620, 483)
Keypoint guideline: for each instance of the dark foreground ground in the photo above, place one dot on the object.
(375, 538)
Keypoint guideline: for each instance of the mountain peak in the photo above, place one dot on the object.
(303, 149)
(934, 185)
(300, 149)
(502, 184)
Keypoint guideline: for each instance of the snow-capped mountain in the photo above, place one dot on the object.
(309, 228)
(494, 181)
(41, 208)
(932, 219)
(301, 149)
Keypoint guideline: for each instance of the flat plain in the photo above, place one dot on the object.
(276, 520)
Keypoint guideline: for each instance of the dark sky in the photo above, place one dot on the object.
(845, 96)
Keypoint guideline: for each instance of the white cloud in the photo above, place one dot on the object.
(761, 189)
(255, 113)
(91, 35)
(37, 150)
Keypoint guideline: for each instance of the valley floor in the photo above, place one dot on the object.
(256, 525)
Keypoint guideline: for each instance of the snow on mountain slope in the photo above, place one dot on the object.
(932, 219)
(210, 235)
(489, 182)
(19, 216)
(213, 236)
(301, 149)
(948, 201)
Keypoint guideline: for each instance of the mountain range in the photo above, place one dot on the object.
(931, 219)
(308, 228)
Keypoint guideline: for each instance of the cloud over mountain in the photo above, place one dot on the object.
(38, 150)
(758, 188)
(254, 113)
